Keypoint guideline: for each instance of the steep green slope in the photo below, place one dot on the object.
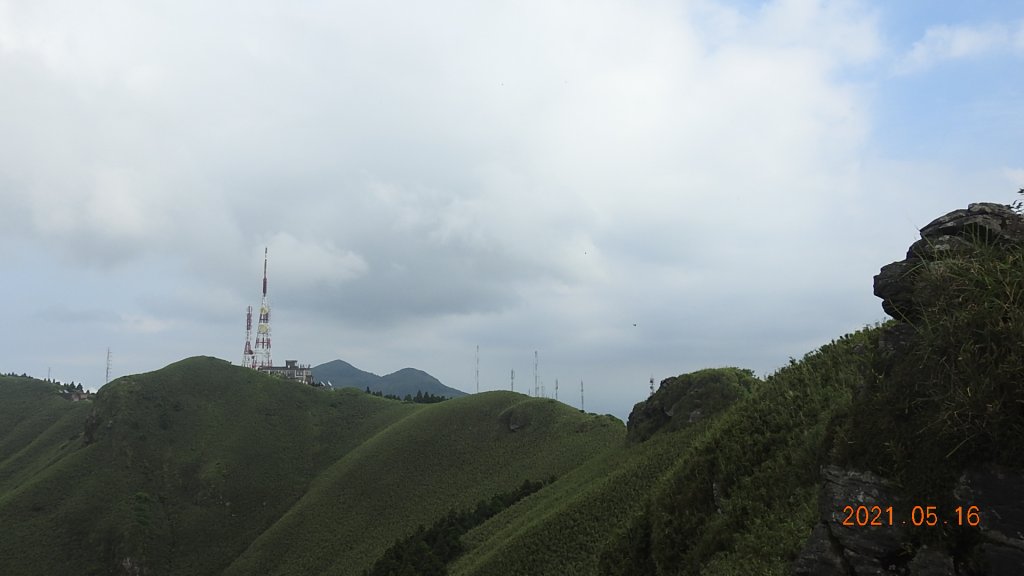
(561, 529)
(36, 428)
(477, 446)
(743, 497)
(928, 403)
(203, 467)
(178, 470)
(730, 491)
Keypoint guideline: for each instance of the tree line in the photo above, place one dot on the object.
(428, 551)
(420, 397)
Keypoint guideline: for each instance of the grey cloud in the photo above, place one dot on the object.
(429, 177)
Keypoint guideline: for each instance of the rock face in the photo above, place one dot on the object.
(994, 541)
(999, 497)
(865, 546)
(840, 544)
(687, 399)
(835, 549)
(947, 235)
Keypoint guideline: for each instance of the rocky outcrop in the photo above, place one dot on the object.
(837, 548)
(868, 549)
(999, 496)
(684, 400)
(943, 237)
(989, 540)
(515, 418)
(994, 494)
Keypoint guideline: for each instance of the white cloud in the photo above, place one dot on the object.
(943, 43)
(844, 31)
(301, 264)
(428, 177)
(143, 324)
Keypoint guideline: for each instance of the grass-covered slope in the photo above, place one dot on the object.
(731, 489)
(918, 402)
(37, 427)
(953, 396)
(562, 529)
(742, 496)
(178, 470)
(444, 456)
(203, 467)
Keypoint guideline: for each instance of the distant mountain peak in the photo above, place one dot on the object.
(408, 380)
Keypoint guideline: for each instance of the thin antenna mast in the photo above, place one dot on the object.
(556, 388)
(652, 384)
(536, 384)
(108, 366)
(248, 356)
(477, 368)
(513, 377)
(581, 395)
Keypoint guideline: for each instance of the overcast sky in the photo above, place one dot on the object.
(632, 189)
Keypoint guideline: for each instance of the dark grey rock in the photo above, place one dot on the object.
(894, 284)
(929, 562)
(944, 223)
(936, 247)
(982, 227)
(984, 221)
(1001, 560)
(990, 208)
(820, 556)
(851, 488)
(948, 235)
(895, 337)
(861, 565)
(999, 495)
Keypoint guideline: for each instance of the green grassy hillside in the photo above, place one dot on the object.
(449, 455)
(742, 497)
(563, 528)
(179, 470)
(37, 428)
(203, 467)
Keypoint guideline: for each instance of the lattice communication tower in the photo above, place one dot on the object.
(261, 352)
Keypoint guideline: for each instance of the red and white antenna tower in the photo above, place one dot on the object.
(248, 356)
(262, 351)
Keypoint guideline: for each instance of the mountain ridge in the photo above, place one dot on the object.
(203, 467)
(402, 382)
